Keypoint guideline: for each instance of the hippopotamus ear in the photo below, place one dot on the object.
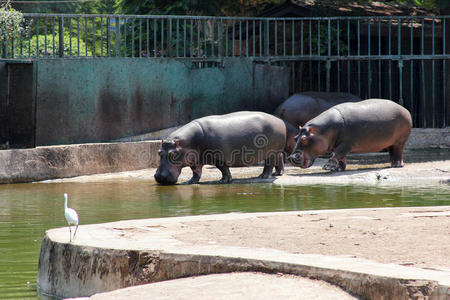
(304, 140)
(312, 131)
(179, 144)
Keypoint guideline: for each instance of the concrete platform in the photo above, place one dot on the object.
(52, 162)
(387, 253)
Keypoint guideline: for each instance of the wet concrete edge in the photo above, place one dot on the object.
(53, 162)
(77, 270)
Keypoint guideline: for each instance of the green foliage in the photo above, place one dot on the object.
(11, 22)
(47, 45)
(196, 7)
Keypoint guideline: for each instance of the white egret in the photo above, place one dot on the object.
(71, 217)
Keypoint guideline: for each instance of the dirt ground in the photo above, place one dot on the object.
(417, 237)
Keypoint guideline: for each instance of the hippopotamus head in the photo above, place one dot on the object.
(309, 145)
(171, 162)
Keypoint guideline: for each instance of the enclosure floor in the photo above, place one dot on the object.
(408, 243)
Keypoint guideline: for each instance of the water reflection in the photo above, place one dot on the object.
(27, 210)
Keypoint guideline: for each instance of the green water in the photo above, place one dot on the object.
(27, 210)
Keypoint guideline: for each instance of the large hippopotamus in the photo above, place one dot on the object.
(367, 126)
(233, 140)
(300, 108)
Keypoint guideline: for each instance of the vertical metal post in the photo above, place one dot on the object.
(411, 66)
(118, 38)
(267, 39)
(53, 36)
(140, 37)
(101, 36)
(348, 54)
(379, 61)
(359, 54)
(284, 37)
(390, 61)
(169, 38)
(177, 38)
(60, 40)
(37, 35)
(220, 37)
(212, 38)
(78, 36)
(233, 46)
(328, 66)
(191, 44)
(318, 37)
(310, 38)
(85, 36)
(93, 37)
(184, 38)
(369, 63)
(155, 50)
(70, 36)
(276, 38)
(205, 38)
(329, 37)
(400, 71)
(444, 72)
(301, 38)
(45, 39)
(254, 38)
(226, 39)
(240, 38)
(293, 38)
(162, 38)
(147, 51)
(399, 37)
(199, 46)
(260, 38)
(424, 121)
(433, 81)
(246, 38)
(338, 54)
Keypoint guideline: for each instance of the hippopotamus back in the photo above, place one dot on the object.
(300, 108)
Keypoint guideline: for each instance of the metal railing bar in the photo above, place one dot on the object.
(422, 17)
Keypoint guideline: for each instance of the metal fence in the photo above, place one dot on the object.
(401, 58)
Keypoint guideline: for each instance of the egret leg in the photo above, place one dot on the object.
(70, 234)
(75, 232)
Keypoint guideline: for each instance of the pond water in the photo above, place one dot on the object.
(27, 210)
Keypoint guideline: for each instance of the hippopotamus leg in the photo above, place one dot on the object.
(396, 155)
(279, 165)
(226, 175)
(196, 174)
(268, 167)
(338, 160)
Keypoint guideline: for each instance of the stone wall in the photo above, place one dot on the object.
(84, 100)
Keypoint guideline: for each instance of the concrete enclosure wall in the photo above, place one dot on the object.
(102, 99)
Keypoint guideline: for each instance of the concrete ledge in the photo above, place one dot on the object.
(42, 163)
(429, 138)
(110, 256)
(52, 162)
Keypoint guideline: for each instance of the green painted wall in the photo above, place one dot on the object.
(101, 99)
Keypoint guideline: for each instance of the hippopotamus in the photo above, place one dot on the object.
(300, 108)
(232, 140)
(371, 125)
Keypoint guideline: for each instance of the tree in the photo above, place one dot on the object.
(11, 26)
(196, 7)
